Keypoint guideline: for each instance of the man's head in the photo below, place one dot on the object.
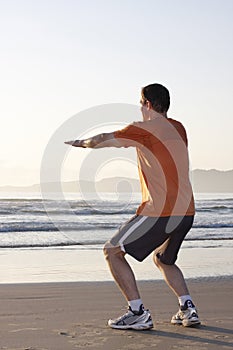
(156, 97)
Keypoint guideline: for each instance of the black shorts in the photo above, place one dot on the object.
(141, 235)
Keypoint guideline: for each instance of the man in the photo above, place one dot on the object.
(166, 213)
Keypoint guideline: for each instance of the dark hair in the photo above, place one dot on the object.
(158, 96)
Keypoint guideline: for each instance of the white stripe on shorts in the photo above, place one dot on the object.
(130, 230)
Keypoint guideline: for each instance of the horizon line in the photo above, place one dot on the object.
(105, 178)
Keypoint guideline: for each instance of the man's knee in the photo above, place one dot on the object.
(156, 260)
(106, 249)
(112, 251)
(161, 264)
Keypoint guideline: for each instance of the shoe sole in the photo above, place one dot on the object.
(136, 327)
(179, 323)
(191, 323)
(186, 323)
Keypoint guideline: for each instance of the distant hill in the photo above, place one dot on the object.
(113, 184)
(202, 180)
(212, 180)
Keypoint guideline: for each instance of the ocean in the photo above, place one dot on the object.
(56, 240)
(29, 221)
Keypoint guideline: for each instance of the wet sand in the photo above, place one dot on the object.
(60, 316)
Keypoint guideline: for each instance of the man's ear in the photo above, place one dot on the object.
(148, 105)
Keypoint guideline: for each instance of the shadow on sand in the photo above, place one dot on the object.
(205, 338)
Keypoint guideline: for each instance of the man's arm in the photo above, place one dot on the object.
(98, 141)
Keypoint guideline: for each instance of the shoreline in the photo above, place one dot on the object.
(74, 265)
(192, 280)
(73, 315)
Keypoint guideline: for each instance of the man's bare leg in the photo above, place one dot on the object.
(173, 277)
(121, 271)
(136, 317)
(187, 314)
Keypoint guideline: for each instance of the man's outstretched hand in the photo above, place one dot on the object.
(76, 143)
(97, 141)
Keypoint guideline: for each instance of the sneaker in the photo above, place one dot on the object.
(138, 320)
(187, 315)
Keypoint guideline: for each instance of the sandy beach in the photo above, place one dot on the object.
(74, 265)
(60, 316)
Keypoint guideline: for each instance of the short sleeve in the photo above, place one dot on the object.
(133, 135)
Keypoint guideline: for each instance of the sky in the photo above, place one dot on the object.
(60, 58)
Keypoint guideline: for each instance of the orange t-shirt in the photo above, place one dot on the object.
(163, 165)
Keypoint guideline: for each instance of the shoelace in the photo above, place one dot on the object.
(123, 317)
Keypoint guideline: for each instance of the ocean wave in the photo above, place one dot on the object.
(62, 210)
(77, 227)
(222, 199)
(87, 244)
(59, 227)
(71, 211)
(40, 245)
(214, 208)
(28, 200)
(83, 225)
(212, 225)
(32, 223)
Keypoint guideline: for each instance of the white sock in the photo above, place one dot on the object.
(135, 304)
(183, 298)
